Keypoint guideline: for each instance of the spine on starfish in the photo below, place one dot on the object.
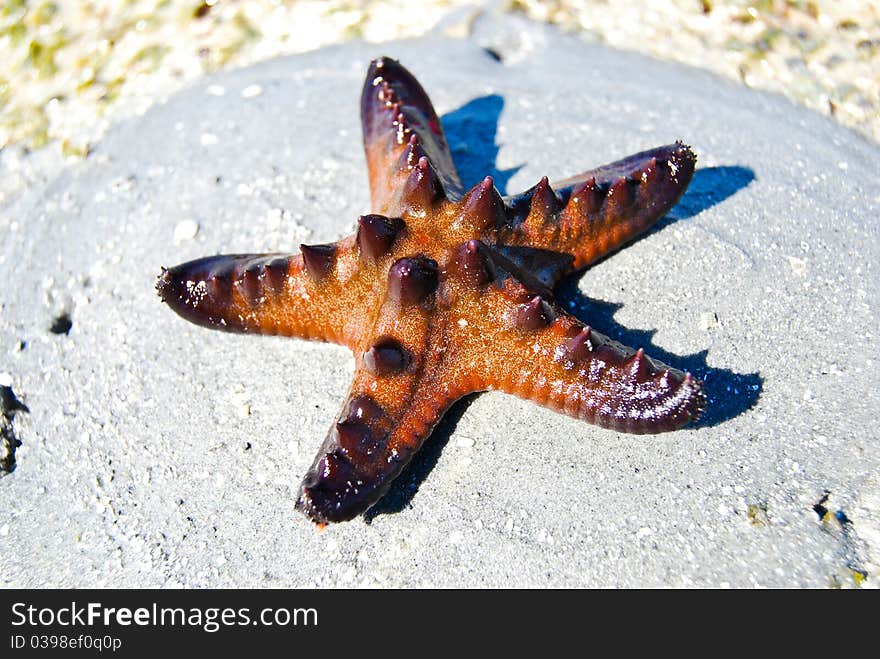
(472, 264)
(411, 280)
(318, 260)
(544, 206)
(599, 211)
(376, 235)
(532, 313)
(421, 190)
(411, 155)
(386, 356)
(481, 209)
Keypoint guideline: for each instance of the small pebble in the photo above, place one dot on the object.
(464, 442)
(708, 320)
(251, 90)
(185, 230)
(757, 514)
(798, 266)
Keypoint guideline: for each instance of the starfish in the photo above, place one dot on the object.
(443, 292)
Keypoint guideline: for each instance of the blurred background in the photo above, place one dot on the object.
(69, 68)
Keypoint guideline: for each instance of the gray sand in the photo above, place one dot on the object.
(158, 453)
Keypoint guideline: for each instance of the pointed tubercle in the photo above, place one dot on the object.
(544, 203)
(472, 263)
(482, 207)
(422, 187)
(275, 272)
(386, 357)
(576, 348)
(639, 367)
(318, 260)
(412, 279)
(587, 198)
(364, 408)
(376, 235)
(534, 314)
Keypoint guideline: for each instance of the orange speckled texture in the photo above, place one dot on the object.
(446, 292)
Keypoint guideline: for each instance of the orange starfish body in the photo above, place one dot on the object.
(445, 291)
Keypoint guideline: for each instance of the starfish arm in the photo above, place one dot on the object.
(591, 215)
(374, 437)
(529, 348)
(400, 128)
(308, 295)
(403, 385)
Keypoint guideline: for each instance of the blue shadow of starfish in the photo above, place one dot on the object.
(470, 132)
